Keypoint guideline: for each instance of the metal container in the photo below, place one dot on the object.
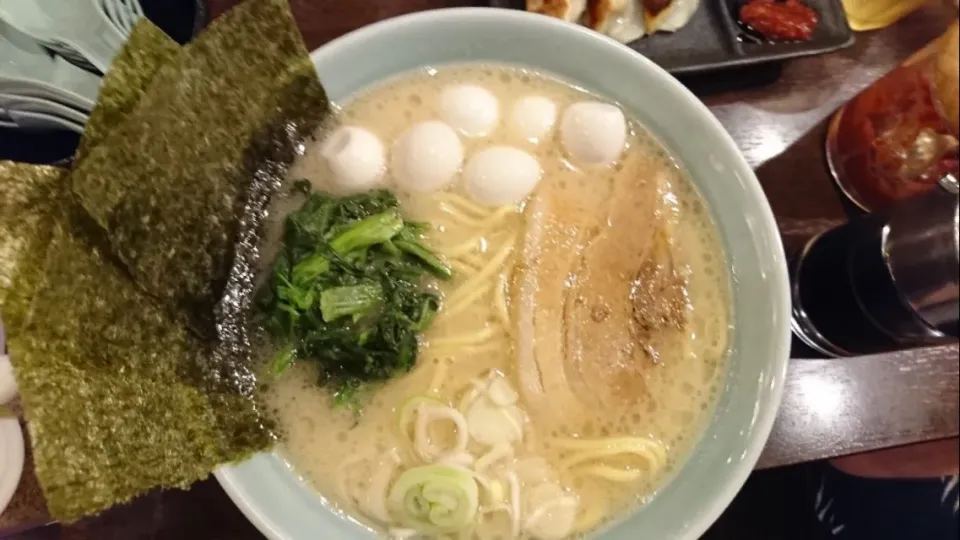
(881, 282)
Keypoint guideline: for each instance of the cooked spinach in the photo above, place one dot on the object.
(346, 290)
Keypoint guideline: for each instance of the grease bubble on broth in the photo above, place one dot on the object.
(468, 361)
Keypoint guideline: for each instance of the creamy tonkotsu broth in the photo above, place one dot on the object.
(581, 343)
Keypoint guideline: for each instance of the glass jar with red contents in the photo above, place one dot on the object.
(899, 137)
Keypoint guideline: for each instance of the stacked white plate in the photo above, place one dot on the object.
(52, 56)
(11, 458)
(11, 436)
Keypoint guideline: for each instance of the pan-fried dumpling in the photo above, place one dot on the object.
(668, 15)
(620, 19)
(600, 12)
(628, 25)
(568, 10)
(623, 20)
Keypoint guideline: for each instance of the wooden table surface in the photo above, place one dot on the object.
(776, 114)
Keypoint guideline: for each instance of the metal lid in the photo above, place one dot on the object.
(922, 250)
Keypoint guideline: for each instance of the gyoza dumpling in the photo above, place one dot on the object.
(620, 19)
(627, 24)
(668, 15)
(600, 12)
(568, 10)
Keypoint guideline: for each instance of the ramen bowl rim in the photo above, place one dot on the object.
(760, 223)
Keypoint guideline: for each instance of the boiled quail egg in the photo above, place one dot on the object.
(356, 158)
(426, 157)
(472, 110)
(593, 133)
(501, 175)
(532, 118)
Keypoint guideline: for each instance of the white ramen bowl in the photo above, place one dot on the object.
(268, 490)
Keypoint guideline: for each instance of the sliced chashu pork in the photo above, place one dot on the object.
(628, 300)
(560, 221)
(602, 349)
(583, 305)
(659, 297)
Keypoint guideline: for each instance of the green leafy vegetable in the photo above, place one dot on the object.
(350, 396)
(310, 269)
(283, 359)
(368, 232)
(408, 242)
(356, 300)
(346, 290)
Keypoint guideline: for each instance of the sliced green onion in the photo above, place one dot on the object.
(492, 425)
(409, 408)
(427, 450)
(406, 414)
(374, 500)
(435, 499)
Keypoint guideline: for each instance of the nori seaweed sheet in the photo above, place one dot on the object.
(166, 185)
(146, 50)
(30, 199)
(121, 396)
(31, 195)
(113, 403)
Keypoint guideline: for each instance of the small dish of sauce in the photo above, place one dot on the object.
(779, 20)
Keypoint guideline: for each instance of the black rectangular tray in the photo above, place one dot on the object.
(713, 38)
